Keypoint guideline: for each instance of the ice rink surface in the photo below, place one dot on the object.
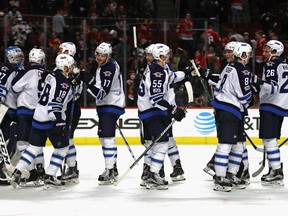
(193, 196)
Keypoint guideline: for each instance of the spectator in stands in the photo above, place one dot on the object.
(59, 24)
(13, 15)
(236, 11)
(54, 41)
(184, 31)
(260, 38)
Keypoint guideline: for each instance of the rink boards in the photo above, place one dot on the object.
(197, 128)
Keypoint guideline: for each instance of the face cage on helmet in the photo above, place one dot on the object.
(245, 60)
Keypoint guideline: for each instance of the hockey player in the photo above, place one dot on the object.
(107, 87)
(273, 107)
(28, 85)
(8, 70)
(212, 80)
(173, 154)
(154, 109)
(49, 122)
(73, 114)
(233, 94)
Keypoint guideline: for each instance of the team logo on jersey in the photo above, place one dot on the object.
(4, 68)
(107, 73)
(157, 74)
(64, 85)
(269, 64)
(245, 72)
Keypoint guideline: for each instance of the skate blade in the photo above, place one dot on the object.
(54, 187)
(110, 182)
(222, 188)
(31, 184)
(71, 181)
(143, 183)
(273, 183)
(178, 178)
(238, 187)
(156, 187)
(209, 171)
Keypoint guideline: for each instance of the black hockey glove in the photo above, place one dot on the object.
(74, 79)
(178, 114)
(188, 70)
(256, 83)
(86, 77)
(59, 128)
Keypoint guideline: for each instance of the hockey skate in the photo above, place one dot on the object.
(33, 180)
(267, 174)
(275, 177)
(178, 172)
(15, 179)
(71, 175)
(209, 169)
(154, 181)
(51, 182)
(107, 177)
(115, 170)
(162, 172)
(237, 183)
(246, 177)
(222, 184)
(144, 175)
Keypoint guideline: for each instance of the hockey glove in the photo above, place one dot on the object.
(256, 83)
(59, 128)
(86, 77)
(188, 72)
(74, 79)
(178, 114)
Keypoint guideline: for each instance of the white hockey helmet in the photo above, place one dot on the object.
(37, 56)
(231, 45)
(275, 45)
(104, 48)
(148, 50)
(63, 60)
(13, 53)
(160, 49)
(68, 46)
(242, 48)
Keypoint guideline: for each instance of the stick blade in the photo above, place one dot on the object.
(257, 172)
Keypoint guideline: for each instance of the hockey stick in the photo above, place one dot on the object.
(142, 140)
(3, 110)
(135, 50)
(208, 96)
(190, 97)
(128, 146)
(4, 151)
(63, 170)
(257, 172)
(252, 143)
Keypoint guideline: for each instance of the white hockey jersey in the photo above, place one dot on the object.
(27, 86)
(274, 92)
(7, 73)
(153, 96)
(53, 100)
(108, 88)
(233, 91)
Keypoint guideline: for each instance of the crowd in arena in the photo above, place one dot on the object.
(104, 20)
